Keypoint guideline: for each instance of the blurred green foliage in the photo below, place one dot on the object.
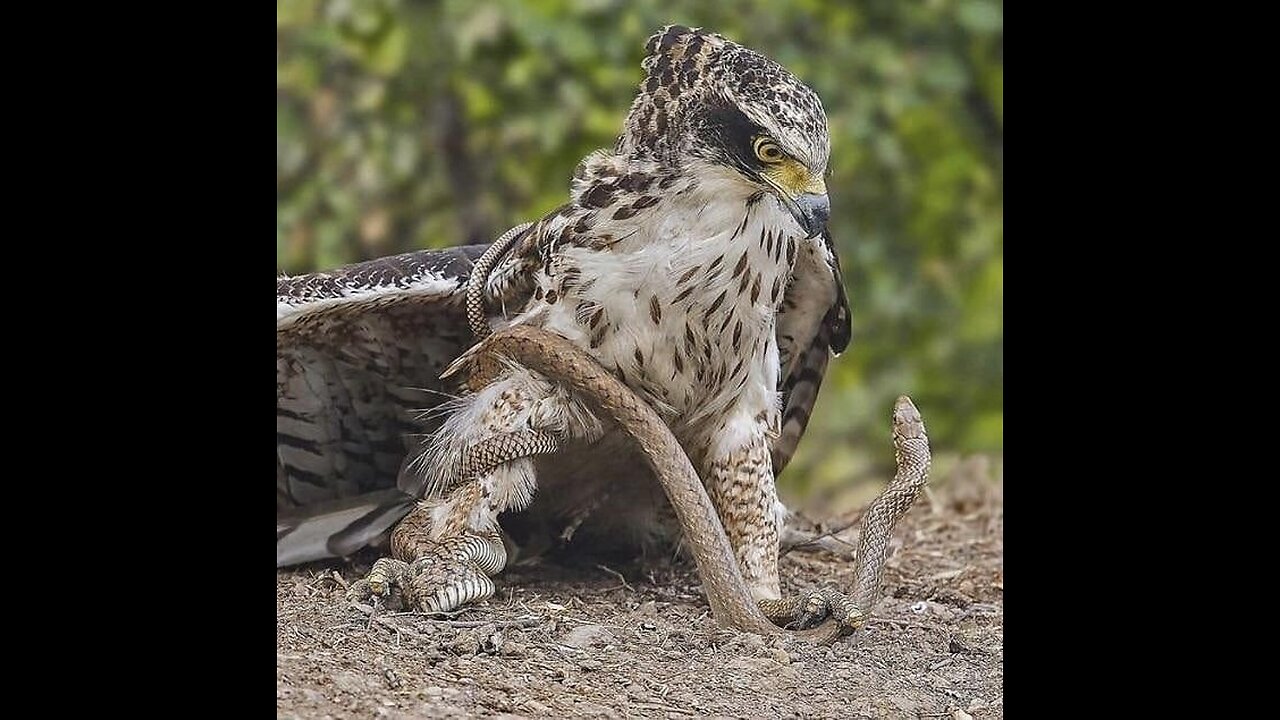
(402, 125)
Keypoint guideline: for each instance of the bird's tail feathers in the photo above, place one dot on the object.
(338, 528)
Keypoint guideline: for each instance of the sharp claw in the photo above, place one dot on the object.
(812, 609)
(454, 574)
(807, 620)
(815, 610)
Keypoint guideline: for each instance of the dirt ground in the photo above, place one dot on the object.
(638, 640)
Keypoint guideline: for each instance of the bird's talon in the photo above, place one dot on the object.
(450, 575)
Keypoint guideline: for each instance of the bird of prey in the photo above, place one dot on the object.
(692, 261)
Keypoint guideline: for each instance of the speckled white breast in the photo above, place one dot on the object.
(685, 309)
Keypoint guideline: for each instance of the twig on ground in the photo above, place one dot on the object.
(618, 575)
(499, 624)
(664, 708)
(384, 622)
(517, 623)
(793, 539)
(906, 623)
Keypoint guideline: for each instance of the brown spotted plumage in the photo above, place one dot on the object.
(658, 265)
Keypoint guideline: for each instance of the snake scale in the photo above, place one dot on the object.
(560, 360)
(466, 566)
(476, 316)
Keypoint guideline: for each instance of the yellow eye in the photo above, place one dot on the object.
(768, 150)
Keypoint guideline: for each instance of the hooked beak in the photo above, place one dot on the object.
(812, 211)
(803, 195)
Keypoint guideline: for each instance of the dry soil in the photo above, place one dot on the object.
(637, 640)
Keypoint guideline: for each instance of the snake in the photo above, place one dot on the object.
(479, 276)
(559, 360)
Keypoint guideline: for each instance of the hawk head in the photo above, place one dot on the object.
(705, 98)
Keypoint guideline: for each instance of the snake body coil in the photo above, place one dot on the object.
(479, 276)
(560, 360)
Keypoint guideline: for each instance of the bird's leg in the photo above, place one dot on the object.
(385, 580)
(740, 482)
(442, 553)
(453, 563)
(477, 466)
(739, 479)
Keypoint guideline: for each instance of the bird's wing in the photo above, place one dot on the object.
(813, 323)
(359, 351)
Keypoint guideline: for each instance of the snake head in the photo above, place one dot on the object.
(907, 423)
